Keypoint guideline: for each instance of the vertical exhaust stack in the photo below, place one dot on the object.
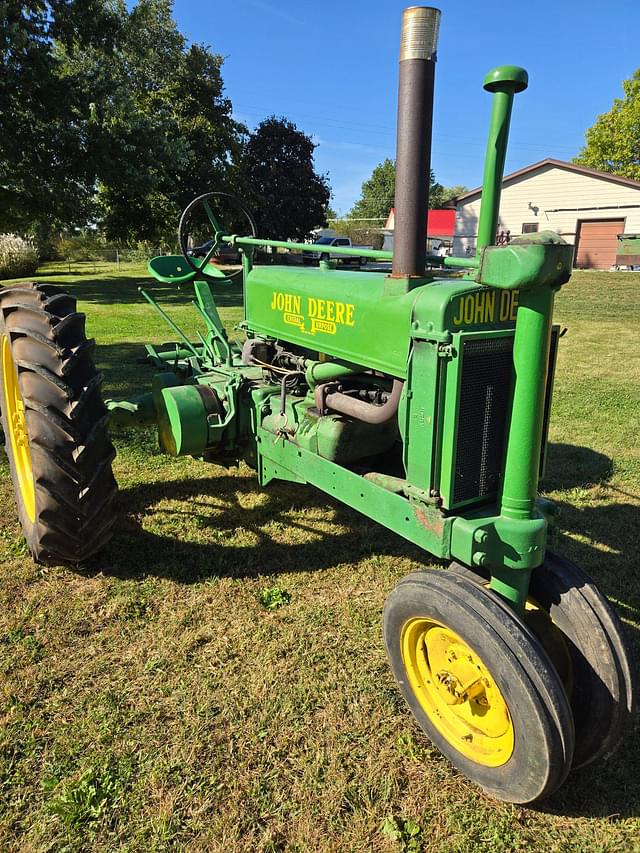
(418, 44)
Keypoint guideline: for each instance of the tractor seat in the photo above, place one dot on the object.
(173, 269)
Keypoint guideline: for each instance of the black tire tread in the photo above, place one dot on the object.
(66, 421)
(604, 705)
(512, 634)
(609, 649)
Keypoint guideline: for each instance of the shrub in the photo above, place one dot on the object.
(80, 247)
(18, 257)
(139, 253)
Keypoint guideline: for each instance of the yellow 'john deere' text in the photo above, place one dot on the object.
(319, 315)
(486, 306)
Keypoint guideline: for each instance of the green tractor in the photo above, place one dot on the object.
(419, 397)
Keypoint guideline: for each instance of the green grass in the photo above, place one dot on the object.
(216, 680)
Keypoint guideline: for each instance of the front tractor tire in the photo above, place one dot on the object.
(480, 685)
(586, 642)
(55, 425)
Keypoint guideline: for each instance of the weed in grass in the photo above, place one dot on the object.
(16, 546)
(407, 746)
(131, 601)
(273, 597)
(33, 650)
(404, 831)
(155, 665)
(86, 800)
(19, 547)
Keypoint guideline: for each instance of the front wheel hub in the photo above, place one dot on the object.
(457, 692)
(461, 681)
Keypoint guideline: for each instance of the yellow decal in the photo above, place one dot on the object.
(486, 306)
(322, 315)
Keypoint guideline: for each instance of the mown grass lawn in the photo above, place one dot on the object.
(155, 701)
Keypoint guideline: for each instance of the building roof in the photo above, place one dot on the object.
(440, 223)
(560, 164)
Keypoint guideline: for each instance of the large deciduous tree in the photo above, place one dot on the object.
(107, 116)
(439, 195)
(45, 175)
(613, 143)
(289, 198)
(160, 128)
(377, 194)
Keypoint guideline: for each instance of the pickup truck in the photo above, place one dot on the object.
(321, 251)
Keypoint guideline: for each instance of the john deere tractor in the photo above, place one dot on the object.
(418, 396)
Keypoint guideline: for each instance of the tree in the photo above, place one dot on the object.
(43, 163)
(108, 117)
(160, 130)
(439, 195)
(378, 194)
(613, 143)
(289, 199)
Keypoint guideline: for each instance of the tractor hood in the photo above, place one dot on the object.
(366, 318)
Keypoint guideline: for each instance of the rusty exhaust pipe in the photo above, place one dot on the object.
(418, 45)
(360, 410)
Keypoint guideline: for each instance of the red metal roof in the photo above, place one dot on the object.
(440, 223)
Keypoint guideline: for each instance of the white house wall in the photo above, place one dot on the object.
(536, 197)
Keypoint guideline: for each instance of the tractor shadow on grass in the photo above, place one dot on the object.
(125, 368)
(228, 511)
(568, 466)
(601, 537)
(108, 289)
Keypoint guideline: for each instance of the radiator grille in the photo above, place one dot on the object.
(485, 389)
(485, 393)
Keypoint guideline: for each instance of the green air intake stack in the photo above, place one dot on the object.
(503, 82)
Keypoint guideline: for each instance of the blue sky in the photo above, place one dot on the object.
(332, 67)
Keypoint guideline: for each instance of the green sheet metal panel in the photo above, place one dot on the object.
(362, 318)
(345, 315)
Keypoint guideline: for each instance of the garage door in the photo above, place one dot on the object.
(596, 243)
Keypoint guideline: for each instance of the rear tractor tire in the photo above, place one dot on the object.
(55, 425)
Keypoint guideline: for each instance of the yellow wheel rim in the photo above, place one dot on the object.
(457, 692)
(17, 426)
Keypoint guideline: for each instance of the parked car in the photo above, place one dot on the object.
(223, 254)
(323, 252)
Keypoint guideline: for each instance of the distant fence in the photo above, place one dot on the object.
(95, 259)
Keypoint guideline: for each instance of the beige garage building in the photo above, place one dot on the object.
(586, 207)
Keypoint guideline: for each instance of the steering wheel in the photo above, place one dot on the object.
(205, 201)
